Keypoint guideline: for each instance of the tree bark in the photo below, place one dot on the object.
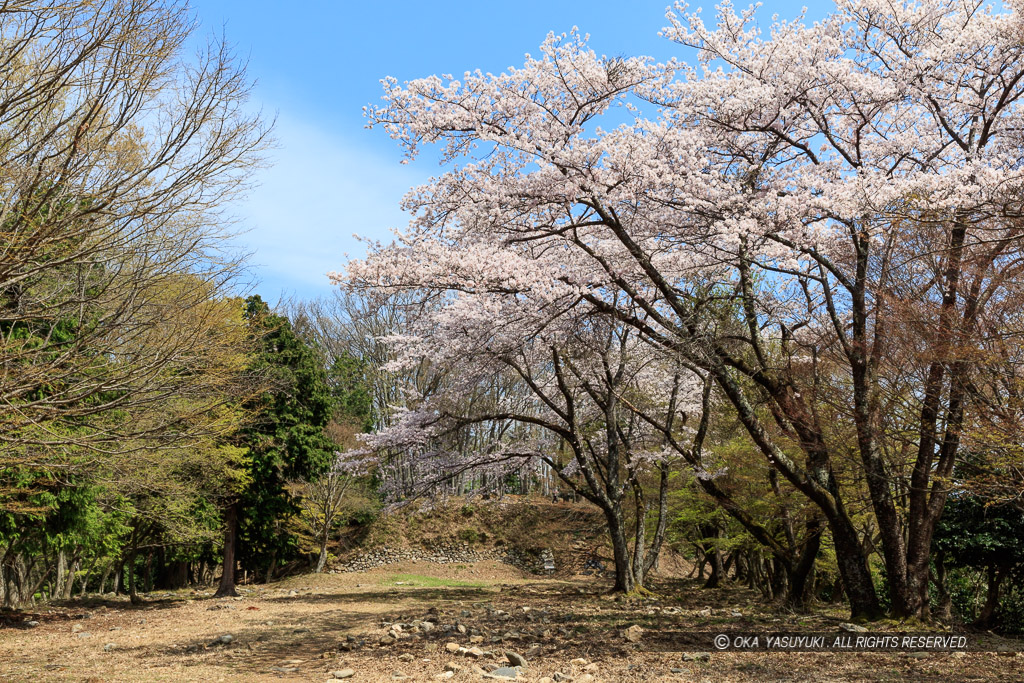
(227, 578)
(798, 585)
(62, 574)
(322, 560)
(103, 578)
(69, 583)
(944, 610)
(986, 617)
(714, 557)
(133, 595)
(624, 579)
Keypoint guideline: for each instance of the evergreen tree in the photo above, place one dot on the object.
(286, 441)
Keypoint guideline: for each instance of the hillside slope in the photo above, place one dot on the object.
(514, 529)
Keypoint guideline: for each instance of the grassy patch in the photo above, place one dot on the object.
(430, 581)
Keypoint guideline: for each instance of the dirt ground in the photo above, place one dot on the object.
(305, 628)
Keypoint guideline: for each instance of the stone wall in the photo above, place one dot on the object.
(449, 553)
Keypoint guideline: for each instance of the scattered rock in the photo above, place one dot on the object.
(32, 624)
(579, 661)
(406, 657)
(225, 639)
(85, 634)
(475, 653)
(633, 633)
(515, 659)
(343, 673)
(452, 647)
(506, 673)
(559, 676)
(476, 639)
(386, 640)
(453, 667)
(109, 647)
(696, 656)
(445, 675)
(853, 628)
(678, 670)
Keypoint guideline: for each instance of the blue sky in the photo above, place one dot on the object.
(318, 63)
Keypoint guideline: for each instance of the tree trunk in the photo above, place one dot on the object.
(227, 578)
(986, 618)
(778, 579)
(103, 578)
(177, 574)
(69, 583)
(624, 579)
(853, 568)
(85, 579)
(798, 585)
(712, 555)
(271, 568)
(62, 574)
(640, 544)
(148, 583)
(654, 553)
(322, 560)
(944, 610)
(838, 590)
(817, 482)
(133, 594)
(119, 577)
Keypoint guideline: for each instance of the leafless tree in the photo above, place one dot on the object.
(118, 154)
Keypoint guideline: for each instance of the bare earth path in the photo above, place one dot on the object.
(305, 628)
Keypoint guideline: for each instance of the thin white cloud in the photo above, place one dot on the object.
(322, 189)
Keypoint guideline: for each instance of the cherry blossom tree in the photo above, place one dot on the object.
(825, 221)
(588, 393)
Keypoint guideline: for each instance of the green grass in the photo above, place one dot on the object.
(430, 582)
